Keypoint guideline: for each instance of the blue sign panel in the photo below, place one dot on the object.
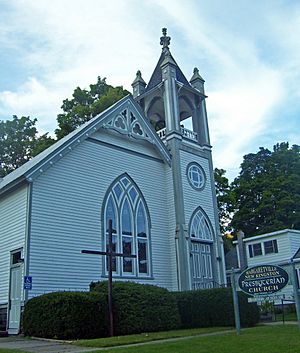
(27, 282)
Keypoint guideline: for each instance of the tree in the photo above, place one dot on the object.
(225, 199)
(267, 191)
(19, 141)
(86, 104)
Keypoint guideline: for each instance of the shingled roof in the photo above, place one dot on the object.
(156, 77)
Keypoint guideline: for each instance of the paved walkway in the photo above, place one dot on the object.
(41, 346)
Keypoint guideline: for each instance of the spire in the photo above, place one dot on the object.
(165, 40)
(197, 81)
(138, 85)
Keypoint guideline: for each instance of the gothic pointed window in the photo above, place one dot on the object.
(126, 207)
(110, 213)
(201, 237)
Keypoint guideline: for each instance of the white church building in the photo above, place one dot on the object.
(135, 164)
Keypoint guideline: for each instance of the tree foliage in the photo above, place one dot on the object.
(225, 199)
(19, 141)
(86, 104)
(19, 138)
(267, 191)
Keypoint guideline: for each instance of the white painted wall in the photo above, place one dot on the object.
(203, 198)
(66, 214)
(13, 210)
(195, 198)
(283, 254)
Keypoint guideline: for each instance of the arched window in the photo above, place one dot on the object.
(127, 209)
(199, 228)
(201, 237)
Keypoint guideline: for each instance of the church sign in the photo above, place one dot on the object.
(263, 280)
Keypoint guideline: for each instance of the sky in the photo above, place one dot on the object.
(248, 52)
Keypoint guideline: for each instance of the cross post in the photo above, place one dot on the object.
(109, 254)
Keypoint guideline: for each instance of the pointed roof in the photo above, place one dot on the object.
(156, 77)
(51, 155)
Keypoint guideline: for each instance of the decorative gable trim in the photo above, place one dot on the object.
(126, 123)
(133, 124)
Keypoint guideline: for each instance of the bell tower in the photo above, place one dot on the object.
(169, 101)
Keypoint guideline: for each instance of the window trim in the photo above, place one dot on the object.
(251, 251)
(274, 246)
(202, 172)
(134, 207)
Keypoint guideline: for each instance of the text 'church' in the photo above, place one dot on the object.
(135, 164)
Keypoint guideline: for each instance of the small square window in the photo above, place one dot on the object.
(255, 249)
(271, 246)
(16, 257)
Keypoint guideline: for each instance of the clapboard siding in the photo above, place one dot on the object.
(67, 210)
(294, 238)
(201, 198)
(194, 198)
(12, 233)
(283, 255)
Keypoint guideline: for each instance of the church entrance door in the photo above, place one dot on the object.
(14, 313)
(201, 263)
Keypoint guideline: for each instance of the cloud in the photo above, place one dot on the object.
(32, 99)
(249, 55)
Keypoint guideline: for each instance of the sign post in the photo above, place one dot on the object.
(235, 303)
(296, 291)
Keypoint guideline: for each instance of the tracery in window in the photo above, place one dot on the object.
(196, 176)
(201, 248)
(128, 211)
(199, 228)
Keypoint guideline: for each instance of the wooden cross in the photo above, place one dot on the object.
(110, 254)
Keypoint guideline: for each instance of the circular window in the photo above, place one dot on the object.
(196, 176)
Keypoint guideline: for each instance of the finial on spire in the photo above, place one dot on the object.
(165, 40)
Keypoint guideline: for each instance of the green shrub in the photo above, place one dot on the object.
(214, 307)
(66, 315)
(141, 307)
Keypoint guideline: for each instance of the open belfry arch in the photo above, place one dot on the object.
(168, 100)
(140, 166)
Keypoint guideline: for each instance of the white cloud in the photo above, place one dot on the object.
(249, 55)
(32, 99)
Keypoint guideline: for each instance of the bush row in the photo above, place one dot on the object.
(137, 308)
(214, 307)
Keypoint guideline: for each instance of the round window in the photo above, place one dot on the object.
(196, 176)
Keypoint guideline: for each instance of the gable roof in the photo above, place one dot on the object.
(156, 77)
(48, 157)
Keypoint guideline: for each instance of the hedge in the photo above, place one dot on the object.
(141, 307)
(214, 307)
(66, 315)
(137, 308)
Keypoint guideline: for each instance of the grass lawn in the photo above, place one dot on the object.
(261, 339)
(287, 317)
(6, 350)
(145, 337)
